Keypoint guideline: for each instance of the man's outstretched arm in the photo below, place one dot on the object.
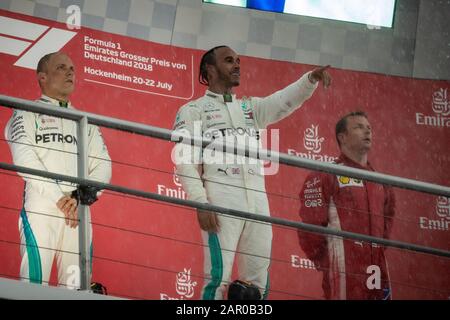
(282, 103)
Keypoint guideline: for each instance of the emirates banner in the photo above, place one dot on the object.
(153, 250)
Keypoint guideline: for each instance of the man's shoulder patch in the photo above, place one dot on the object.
(349, 182)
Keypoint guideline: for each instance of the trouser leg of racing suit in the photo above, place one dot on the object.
(38, 241)
(44, 235)
(219, 255)
(254, 259)
(67, 262)
(252, 239)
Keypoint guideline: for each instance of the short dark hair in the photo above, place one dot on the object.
(209, 57)
(43, 62)
(341, 125)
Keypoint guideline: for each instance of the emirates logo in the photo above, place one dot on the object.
(311, 139)
(443, 207)
(440, 102)
(441, 108)
(184, 285)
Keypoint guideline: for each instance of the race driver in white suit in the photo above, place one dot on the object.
(227, 180)
(48, 222)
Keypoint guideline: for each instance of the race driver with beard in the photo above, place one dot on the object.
(227, 180)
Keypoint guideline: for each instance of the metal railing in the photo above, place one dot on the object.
(85, 118)
(18, 290)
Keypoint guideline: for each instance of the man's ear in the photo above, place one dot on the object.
(41, 76)
(341, 137)
(211, 70)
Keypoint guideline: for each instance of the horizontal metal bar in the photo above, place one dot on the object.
(20, 290)
(108, 122)
(377, 177)
(231, 212)
(39, 107)
(165, 134)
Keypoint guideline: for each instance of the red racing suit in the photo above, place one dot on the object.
(351, 269)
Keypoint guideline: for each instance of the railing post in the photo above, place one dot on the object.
(83, 210)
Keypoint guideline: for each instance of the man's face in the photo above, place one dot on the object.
(358, 136)
(59, 78)
(227, 68)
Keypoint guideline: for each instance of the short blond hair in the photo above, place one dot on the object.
(43, 62)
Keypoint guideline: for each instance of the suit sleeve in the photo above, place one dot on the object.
(282, 103)
(99, 168)
(314, 204)
(389, 210)
(20, 132)
(188, 158)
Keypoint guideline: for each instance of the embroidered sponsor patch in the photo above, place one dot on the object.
(349, 182)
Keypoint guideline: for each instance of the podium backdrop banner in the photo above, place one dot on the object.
(152, 250)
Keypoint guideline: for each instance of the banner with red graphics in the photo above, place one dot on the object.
(152, 250)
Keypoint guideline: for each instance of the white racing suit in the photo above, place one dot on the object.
(233, 181)
(48, 143)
